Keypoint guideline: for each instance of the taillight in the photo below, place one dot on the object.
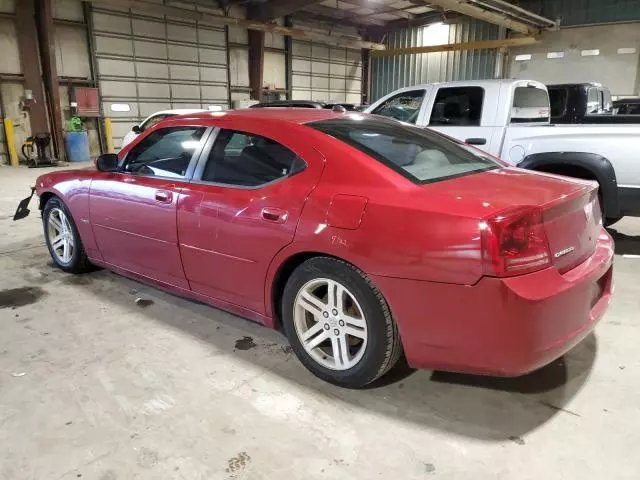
(514, 243)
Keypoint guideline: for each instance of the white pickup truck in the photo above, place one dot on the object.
(510, 119)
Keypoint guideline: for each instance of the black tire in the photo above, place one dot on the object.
(383, 348)
(79, 262)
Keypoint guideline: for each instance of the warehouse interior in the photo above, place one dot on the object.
(104, 377)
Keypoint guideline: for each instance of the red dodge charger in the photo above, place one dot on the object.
(362, 238)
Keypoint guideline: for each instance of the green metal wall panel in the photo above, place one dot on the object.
(585, 12)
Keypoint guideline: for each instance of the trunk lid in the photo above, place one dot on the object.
(570, 207)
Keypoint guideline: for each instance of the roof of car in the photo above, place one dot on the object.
(292, 115)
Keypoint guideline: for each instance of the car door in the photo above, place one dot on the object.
(133, 210)
(241, 208)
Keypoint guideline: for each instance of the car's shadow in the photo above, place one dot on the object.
(625, 244)
(487, 408)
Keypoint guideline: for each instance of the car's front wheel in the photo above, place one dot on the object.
(62, 238)
(338, 323)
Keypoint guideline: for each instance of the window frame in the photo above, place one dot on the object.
(206, 151)
(425, 93)
(191, 167)
(435, 97)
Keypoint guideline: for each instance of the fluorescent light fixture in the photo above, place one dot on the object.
(590, 53)
(555, 55)
(120, 107)
(524, 57)
(627, 51)
(190, 144)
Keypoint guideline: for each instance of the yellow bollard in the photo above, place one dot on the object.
(11, 142)
(108, 133)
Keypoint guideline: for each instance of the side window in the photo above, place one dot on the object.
(461, 106)
(248, 160)
(165, 152)
(593, 101)
(404, 106)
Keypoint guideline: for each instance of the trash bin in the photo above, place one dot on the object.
(77, 146)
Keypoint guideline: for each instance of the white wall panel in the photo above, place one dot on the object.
(7, 6)
(68, 10)
(617, 71)
(155, 63)
(275, 69)
(72, 54)
(10, 58)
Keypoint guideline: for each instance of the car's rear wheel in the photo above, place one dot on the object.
(338, 323)
(62, 238)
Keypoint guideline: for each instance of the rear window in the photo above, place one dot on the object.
(420, 155)
(558, 100)
(530, 105)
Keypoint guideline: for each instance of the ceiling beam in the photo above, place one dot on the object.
(379, 8)
(342, 15)
(417, 21)
(315, 17)
(281, 8)
(451, 47)
(215, 19)
(462, 6)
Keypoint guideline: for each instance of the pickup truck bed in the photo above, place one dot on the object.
(510, 119)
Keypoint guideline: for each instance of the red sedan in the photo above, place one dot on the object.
(364, 239)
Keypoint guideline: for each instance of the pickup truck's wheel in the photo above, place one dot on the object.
(62, 238)
(338, 323)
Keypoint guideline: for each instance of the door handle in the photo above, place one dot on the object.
(163, 196)
(476, 141)
(275, 215)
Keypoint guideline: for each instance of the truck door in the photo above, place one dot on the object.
(464, 113)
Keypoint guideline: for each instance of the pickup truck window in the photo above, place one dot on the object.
(593, 101)
(558, 100)
(404, 106)
(420, 155)
(461, 106)
(530, 105)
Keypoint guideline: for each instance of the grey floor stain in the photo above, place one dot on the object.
(239, 462)
(517, 440)
(245, 343)
(19, 297)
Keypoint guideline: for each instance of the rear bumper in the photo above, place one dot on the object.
(505, 327)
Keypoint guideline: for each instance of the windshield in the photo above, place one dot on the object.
(420, 155)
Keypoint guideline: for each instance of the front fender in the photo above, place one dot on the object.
(597, 165)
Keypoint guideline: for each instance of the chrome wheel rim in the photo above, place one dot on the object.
(330, 324)
(60, 236)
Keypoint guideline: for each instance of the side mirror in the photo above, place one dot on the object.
(107, 162)
(136, 129)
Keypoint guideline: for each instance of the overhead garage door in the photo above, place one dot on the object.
(324, 72)
(605, 54)
(146, 64)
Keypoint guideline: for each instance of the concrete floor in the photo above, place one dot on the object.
(94, 386)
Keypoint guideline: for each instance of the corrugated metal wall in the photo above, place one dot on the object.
(585, 12)
(390, 73)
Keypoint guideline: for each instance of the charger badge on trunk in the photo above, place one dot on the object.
(563, 252)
